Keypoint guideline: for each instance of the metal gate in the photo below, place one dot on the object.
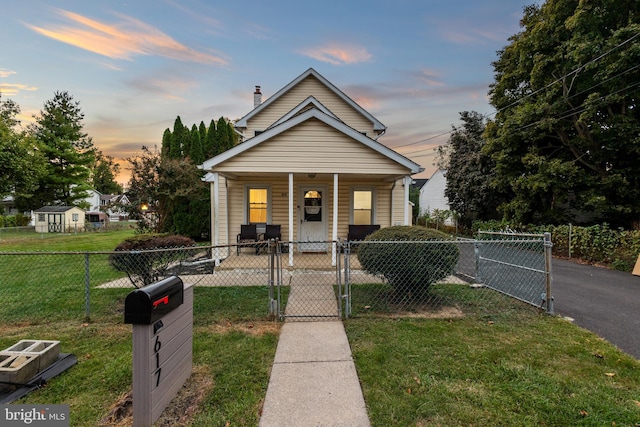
(312, 291)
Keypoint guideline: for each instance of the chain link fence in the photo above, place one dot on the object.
(338, 281)
(485, 273)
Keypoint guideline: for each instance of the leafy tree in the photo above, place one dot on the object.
(143, 189)
(103, 174)
(68, 151)
(21, 164)
(470, 171)
(566, 137)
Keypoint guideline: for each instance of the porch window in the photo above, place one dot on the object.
(258, 205)
(362, 206)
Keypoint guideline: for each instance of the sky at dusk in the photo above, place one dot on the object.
(136, 65)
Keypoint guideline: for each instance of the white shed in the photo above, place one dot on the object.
(58, 219)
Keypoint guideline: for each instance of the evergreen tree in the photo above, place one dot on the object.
(211, 146)
(67, 149)
(166, 143)
(202, 128)
(225, 140)
(177, 137)
(196, 147)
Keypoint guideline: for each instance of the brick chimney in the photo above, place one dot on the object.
(257, 97)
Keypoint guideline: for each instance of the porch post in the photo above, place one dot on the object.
(290, 219)
(407, 215)
(334, 231)
(215, 217)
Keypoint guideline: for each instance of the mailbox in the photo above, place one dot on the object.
(150, 303)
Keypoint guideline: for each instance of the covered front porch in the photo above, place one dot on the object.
(313, 210)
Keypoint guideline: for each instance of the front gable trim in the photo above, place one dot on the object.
(309, 101)
(377, 125)
(296, 120)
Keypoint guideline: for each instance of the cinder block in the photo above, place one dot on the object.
(47, 352)
(17, 368)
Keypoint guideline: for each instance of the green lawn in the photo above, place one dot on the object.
(498, 362)
(524, 368)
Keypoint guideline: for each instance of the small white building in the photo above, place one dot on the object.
(58, 219)
(432, 195)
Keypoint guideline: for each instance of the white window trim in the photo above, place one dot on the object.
(257, 186)
(374, 202)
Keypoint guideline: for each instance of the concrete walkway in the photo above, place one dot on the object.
(313, 379)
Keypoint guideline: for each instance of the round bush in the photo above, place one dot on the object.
(410, 258)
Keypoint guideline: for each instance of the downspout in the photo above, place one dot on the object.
(393, 187)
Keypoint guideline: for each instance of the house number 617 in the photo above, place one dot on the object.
(156, 352)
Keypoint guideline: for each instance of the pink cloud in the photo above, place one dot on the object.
(338, 54)
(123, 40)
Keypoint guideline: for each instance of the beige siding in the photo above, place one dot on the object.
(280, 203)
(312, 146)
(398, 204)
(223, 220)
(309, 87)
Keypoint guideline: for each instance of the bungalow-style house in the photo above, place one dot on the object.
(58, 219)
(309, 161)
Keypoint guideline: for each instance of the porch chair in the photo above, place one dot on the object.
(248, 234)
(271, 231)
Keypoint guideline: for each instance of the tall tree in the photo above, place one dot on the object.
(566, 137)
(470, 171)
(21, 163)
(67, 149)
(211, 147)
(166, 142)
(104, 173)
(195, 153)
(177, 139)
(225, 140)
(202, 128)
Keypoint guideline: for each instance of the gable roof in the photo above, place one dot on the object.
(300, 118)
(377, 125)
(55, 208)
(310, 102)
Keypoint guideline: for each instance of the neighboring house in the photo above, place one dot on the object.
(99, 202)
(58, 219)
(432, 195)
(308, 161)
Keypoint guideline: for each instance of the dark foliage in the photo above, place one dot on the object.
(410, 258)
(148, 258)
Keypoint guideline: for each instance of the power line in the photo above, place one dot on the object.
(576, 70)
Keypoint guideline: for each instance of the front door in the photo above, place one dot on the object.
(313, 219)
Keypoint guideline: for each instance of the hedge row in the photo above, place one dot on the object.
(617, 248)
(18, 220)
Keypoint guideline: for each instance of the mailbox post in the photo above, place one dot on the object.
(162, 318)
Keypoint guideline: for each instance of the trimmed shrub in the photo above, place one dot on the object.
(409, 258)
(148, 258)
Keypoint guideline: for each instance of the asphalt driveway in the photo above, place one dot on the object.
(606, 302)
